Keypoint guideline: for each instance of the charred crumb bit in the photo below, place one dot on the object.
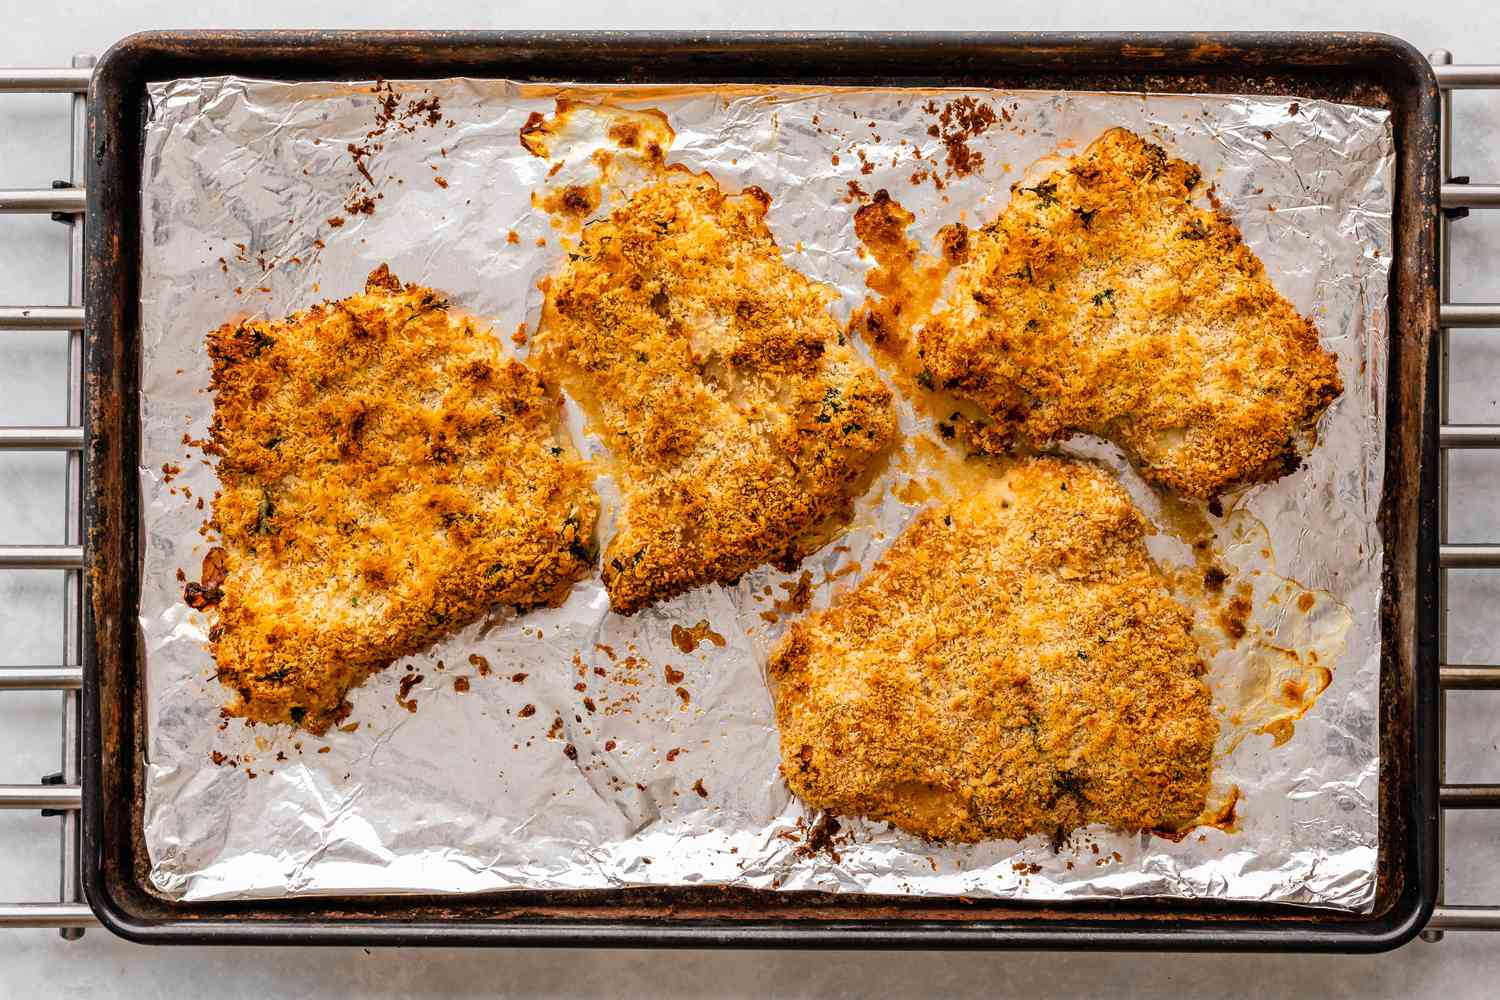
(407, 683)
(218, 758)
(1294, 108)
(819, 839)
(527, 711)
(518, 677)
(335, 221)
(570, 751)
(352, 727)
(682, 693)
(1215, 506)
(1214, 578)
(672, 674)
(325, 749)
(479, 663)
(461, 685)
(440, 181)
(249, 773)
(580, 687)
(673, 753)
(698, 787)
(541, 241)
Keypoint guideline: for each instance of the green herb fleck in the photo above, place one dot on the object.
(1195, 230)
(1108, 295)
(924, 378)
(1046, 191)
(260, 342)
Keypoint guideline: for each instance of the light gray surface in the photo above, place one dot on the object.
(33, 151)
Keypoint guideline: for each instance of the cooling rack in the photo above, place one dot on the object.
(59, 794)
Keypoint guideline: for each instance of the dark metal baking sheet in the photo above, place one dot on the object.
(1367, 69)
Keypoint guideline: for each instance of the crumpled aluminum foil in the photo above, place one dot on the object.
(462, 795)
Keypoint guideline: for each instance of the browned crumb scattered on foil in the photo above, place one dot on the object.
(1013, 665)
(959, 121)
(388, 474)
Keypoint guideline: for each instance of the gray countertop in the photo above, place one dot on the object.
(33, 151)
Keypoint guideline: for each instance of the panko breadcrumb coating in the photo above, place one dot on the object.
(387, 474)
(1013, 665)
(1103, 300)
(739, 418)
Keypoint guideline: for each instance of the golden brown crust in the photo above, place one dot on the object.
(387, 474)
(1102, 300)
(1013, 665)
(739, 418)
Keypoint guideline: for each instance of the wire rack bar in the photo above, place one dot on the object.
(40, 797)
(41, 678)
(41, 557)
(1470, 796)
(47, 915)
(1470, 677)
(41, 438)
(41, 317)
(1469, 314)
(1466, 196)
(42, 201)
(70, 879)
(1469, 556)
(73, 80)
(1475, 77)
(1469, 436)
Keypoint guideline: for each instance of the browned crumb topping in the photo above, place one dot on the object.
(1102, 300)
(388, 474)
(1013, 665)
(740, 420)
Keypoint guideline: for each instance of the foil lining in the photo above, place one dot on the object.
(669, 787)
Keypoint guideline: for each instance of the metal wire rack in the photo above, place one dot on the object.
(60, 793)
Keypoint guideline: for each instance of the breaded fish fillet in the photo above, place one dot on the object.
(1013, 665)
(387, 474)
(1102, 300)
(739, 418)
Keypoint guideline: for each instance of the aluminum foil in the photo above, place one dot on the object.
(665, 786)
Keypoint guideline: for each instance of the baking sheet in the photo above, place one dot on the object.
(243, 182)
